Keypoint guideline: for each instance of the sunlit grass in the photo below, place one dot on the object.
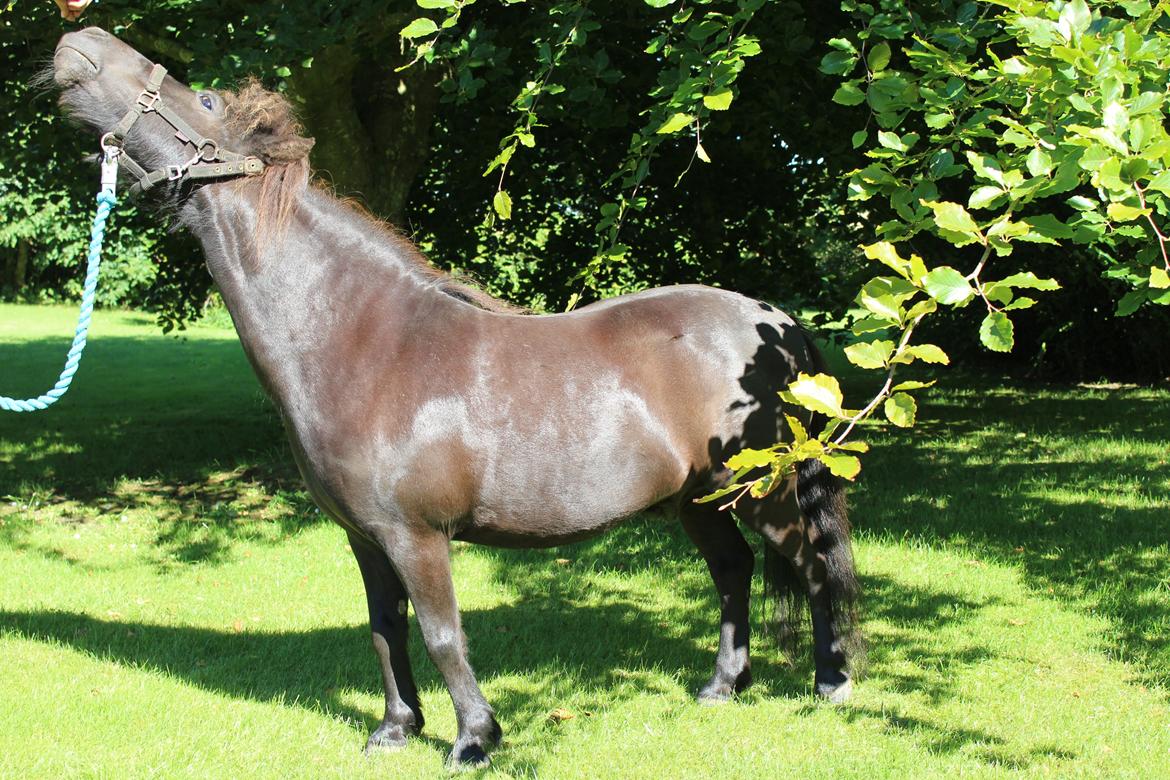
(171, 604)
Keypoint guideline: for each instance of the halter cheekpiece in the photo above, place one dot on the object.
(209, 160)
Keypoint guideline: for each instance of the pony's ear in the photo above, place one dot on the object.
(266, 125)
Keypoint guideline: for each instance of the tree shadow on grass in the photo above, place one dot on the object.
(1016, 497)
(614, 648)
(175, 427)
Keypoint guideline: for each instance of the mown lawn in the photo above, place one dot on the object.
(172, 605)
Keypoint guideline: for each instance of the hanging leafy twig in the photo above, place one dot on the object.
(528, 99)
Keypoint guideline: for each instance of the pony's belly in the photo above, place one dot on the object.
(538, 532)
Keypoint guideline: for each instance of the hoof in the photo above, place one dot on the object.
(471, 756)
(835, 693)
(717, 691)
(712, 697)
(386, 737)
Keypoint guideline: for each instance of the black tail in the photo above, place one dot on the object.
(822, 502)
(784, 591)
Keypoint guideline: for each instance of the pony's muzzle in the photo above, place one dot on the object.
(78, 56)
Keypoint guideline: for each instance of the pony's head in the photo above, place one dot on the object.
(163, 125)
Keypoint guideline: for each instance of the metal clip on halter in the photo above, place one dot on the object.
(110, 152)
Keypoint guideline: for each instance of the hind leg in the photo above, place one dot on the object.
(386, 599)
(730, 561)
(779, 520)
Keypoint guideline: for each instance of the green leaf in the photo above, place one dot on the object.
(891, 141)
(1115, 117)
(869, 354)
(1020, 303)
(952, 217)
(911, 384)
(925, 306)
(844, 466)
(435, 3)
(799, 434)
(997, 332)
(1038, 162)
(838, 63)
(719, 101)
(871, 325)
(1046, 228)
(658, 3)
(1074, 19)
(986, 168)
(983, 196)
(501, 159)
(843, 44)
(948, 286)
(859, 138)
(675, 123)
(848, 94)
(1119, 212)
(1014, 66)
(901, 410)
(883, 306)
(704, 29)
(1028, 280)
(503, 204)
(1159, 279)
(419, 28)
(1131, 302)
(818, 393)
(1160, 183)
(720, 493)
(750, 459)
(885, 253)
(878, 57)
(927, 353)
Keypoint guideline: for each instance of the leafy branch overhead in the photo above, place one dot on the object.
(987, 127)
(699, 51)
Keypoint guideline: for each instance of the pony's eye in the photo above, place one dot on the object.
(206, 101)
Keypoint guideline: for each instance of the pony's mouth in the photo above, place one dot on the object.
(72, 66)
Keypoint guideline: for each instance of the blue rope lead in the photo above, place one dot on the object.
(106, 199)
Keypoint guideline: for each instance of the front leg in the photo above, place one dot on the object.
(422, 560)
(386, 598)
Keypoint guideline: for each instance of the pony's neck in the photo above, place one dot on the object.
(289, 292)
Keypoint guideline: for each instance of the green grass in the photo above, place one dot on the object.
(171, 604)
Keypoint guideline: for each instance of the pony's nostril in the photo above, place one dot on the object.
(76, 58)
(70, 66)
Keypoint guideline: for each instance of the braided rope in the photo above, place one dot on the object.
(105, 203)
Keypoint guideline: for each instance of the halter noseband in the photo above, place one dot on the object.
(209, 161)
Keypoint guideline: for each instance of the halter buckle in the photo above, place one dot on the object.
(147, 100)
(175, 172)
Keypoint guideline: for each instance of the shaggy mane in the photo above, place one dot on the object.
(270, 130)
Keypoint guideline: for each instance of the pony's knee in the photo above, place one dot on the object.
(446, 646)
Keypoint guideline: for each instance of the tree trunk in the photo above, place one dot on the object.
(20, 267)
(371, 124)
